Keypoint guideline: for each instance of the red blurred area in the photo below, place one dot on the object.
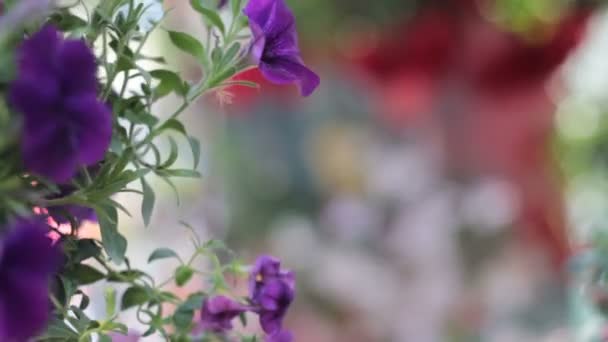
(484, 92)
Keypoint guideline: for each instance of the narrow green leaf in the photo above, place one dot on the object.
(125, 276)
(230, 54)
(110, 296)
(173, 154)
(173, 124)
(85, 274)
(211, 16)
(169, 82)
(188, 44)
(181, 173)
(113, 242)
(147, 203)
(195, 146)
(162, 253)
(236, 7)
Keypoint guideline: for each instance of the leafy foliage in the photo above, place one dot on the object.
(119, 29)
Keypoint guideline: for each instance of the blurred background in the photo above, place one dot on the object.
(443, 184)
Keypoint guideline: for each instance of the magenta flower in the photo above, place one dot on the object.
(27, 262)
(218, 312)
(271, 291)
(275, 45)
(65, 126)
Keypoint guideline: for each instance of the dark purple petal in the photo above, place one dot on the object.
(285, 71)
(45, 41)
(218, 312)
(49, 151)
(273, 16)
(94, 141)
(222, 3)
(65, 125)
(27, 261)
(76, 58)
(274, 46)
(271, 290)
(35, 94)
(280, 336)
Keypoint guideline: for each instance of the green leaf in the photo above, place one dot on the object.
(110, 296)
(85, 249)
(65, 21)
(84, 300)
(113, 242)
(230, 54)
(104, 338)
(147, 203)
(188, 44)
(183, 274)
(211, 16)
(173, 124)
(180, 173)
(243, 319)
(58, 330)
(194, 302)
(173, 154)
(195, 146)
(126, 276)
(183, 318)
(135, 295)
(162, 253)
(236, 7)
(169, 82)
(85, 274)
(222, 76)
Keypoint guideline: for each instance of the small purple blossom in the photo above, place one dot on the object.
(280, 336)
(271, 291)
(275, 45)
(65, 126)
(27, 261)
(222, 3)
(218, 312)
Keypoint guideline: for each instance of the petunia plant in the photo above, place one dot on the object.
(79, 125)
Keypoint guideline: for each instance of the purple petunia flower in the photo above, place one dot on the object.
(27, 261)
(218, 312)
(271, 291)
(275, 45)
(64, 124)
(280, 336)
(222, 3)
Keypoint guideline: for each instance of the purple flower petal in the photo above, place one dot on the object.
(27, 261)
(280, 336)
(64, 125)
(77, 59)
(284, 71)
(272, 290)
(275, 45)
(218, 312)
